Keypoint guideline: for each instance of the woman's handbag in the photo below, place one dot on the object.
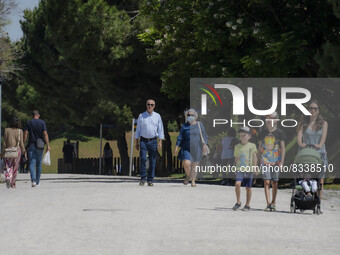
(12, 152)
(205, 148)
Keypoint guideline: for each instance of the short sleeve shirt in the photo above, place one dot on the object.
(244, 156)
(271, 145)
(35, 128)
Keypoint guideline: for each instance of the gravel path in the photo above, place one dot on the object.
(81, 214)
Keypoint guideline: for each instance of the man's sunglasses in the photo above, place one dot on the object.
(191, 115)
(150, 104)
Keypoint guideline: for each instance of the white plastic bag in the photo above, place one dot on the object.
(47, 159)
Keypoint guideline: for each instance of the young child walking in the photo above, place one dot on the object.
(245, 160)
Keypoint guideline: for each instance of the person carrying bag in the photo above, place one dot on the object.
(13, 152)
(13, 148)
(192, 140)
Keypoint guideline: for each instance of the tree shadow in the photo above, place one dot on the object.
(254, 209)
(72, 136)
(102, 210)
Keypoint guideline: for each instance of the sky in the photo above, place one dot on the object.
(14, 29)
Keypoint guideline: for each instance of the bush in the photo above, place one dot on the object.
(172, 126)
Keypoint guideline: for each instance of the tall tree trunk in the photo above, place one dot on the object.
(123, 151)
(168, 148)
(161, 168)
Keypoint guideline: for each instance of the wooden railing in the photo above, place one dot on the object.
(91, 166)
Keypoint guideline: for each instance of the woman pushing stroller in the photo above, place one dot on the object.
(312, 130)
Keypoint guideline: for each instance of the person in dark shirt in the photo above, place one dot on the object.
(68, 151)
(36, 131)
(108, 159)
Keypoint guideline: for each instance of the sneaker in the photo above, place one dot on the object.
(34, 184)
(236, 206)
(268, 208)
(37, 185)
(150, 184)
(246, 208)
(142, 183)
(273, 207)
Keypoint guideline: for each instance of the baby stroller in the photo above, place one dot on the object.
(299, 200)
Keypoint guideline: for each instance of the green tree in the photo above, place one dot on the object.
(83, 55)
(75, 54)
(8, 53)
(105, 112)
(329, 57)
(244, 38)
(74, 49)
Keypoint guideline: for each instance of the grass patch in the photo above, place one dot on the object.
(89, 148)
(177, 176)
(332, 187)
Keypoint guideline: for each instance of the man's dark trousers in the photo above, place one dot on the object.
(149, 146)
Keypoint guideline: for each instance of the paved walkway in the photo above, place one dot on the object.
(79, 214)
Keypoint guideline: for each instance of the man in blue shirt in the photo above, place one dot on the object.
(149, 127)
(38, 137)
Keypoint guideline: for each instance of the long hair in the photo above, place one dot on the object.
(15, 122)
(305, 119)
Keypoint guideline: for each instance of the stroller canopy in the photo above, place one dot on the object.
(308, 156)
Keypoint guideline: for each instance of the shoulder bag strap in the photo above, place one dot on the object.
(199, 126)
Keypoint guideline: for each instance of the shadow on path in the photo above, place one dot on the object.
(253, 209)
(102, 210)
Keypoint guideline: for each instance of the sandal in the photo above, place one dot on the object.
(193, 184)
(8, 184)
(186, 181)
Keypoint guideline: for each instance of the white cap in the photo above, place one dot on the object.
(245, 129)
(274, 115)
